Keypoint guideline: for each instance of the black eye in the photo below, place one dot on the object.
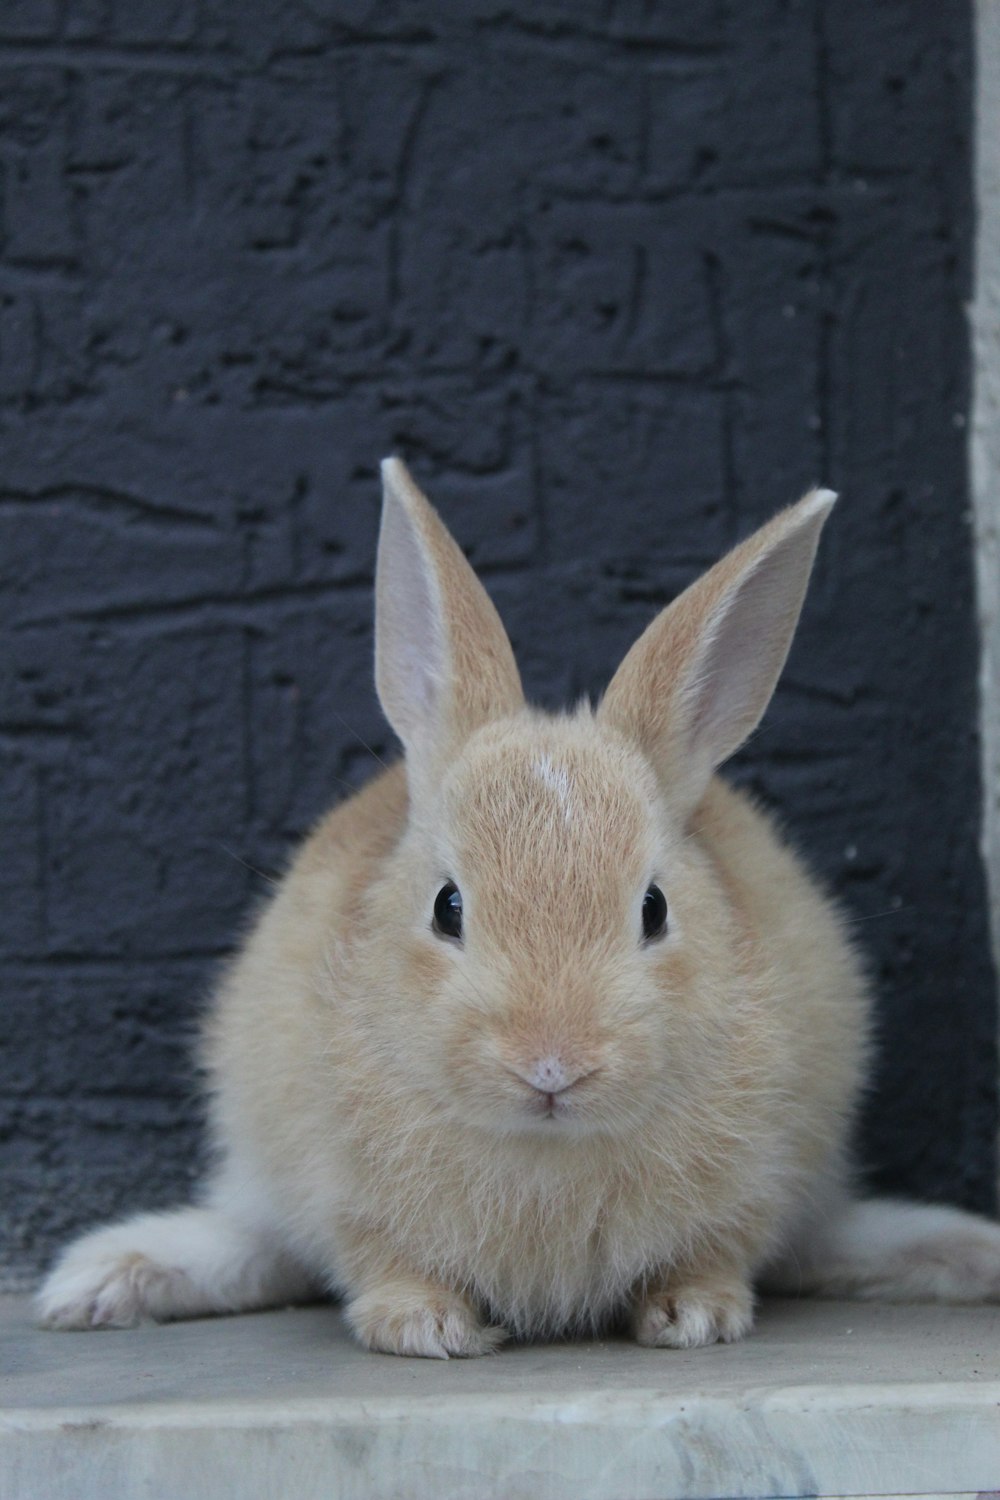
(448, 911)
(654, 913)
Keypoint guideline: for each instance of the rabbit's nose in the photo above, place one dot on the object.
(550, 1075)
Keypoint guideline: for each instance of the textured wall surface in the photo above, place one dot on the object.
(618, 279)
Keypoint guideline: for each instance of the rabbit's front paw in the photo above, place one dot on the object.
(427, 1321)
(685, 1315)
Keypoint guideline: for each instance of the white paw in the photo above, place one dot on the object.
(431, 1324)
(687, 1317)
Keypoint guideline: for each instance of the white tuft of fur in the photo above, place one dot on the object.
(557, 779)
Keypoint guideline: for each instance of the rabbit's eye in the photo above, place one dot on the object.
(654, 913)
(448, 911)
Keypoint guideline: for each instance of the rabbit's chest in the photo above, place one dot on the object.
(543, 1255)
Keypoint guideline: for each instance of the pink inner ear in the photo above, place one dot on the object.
(745, 651)
(698, 679)
(409, 642)
(416, 634)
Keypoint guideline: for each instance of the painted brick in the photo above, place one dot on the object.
(618, 279)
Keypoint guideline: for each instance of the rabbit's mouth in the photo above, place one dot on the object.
(550, 1092)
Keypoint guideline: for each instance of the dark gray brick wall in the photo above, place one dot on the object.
(618, 279)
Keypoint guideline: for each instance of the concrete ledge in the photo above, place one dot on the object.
(825, 1399)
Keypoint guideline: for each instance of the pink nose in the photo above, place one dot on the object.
(549, 1075)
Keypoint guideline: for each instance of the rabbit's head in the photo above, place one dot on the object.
(555, 953)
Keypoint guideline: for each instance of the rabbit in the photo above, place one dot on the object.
(547, 1031)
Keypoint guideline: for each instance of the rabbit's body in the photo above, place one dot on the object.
(548, 1228)
(546, 1029)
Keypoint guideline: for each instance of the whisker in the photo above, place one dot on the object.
(363, 743)
(873, 916)
(271, 879)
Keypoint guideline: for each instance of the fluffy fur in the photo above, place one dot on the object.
(553, 1124)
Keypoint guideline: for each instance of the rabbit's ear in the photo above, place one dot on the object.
(697, 682)
(443, 663)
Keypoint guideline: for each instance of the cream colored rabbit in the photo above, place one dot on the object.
(546, 1030)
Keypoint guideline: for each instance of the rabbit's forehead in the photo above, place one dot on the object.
(533, 803)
